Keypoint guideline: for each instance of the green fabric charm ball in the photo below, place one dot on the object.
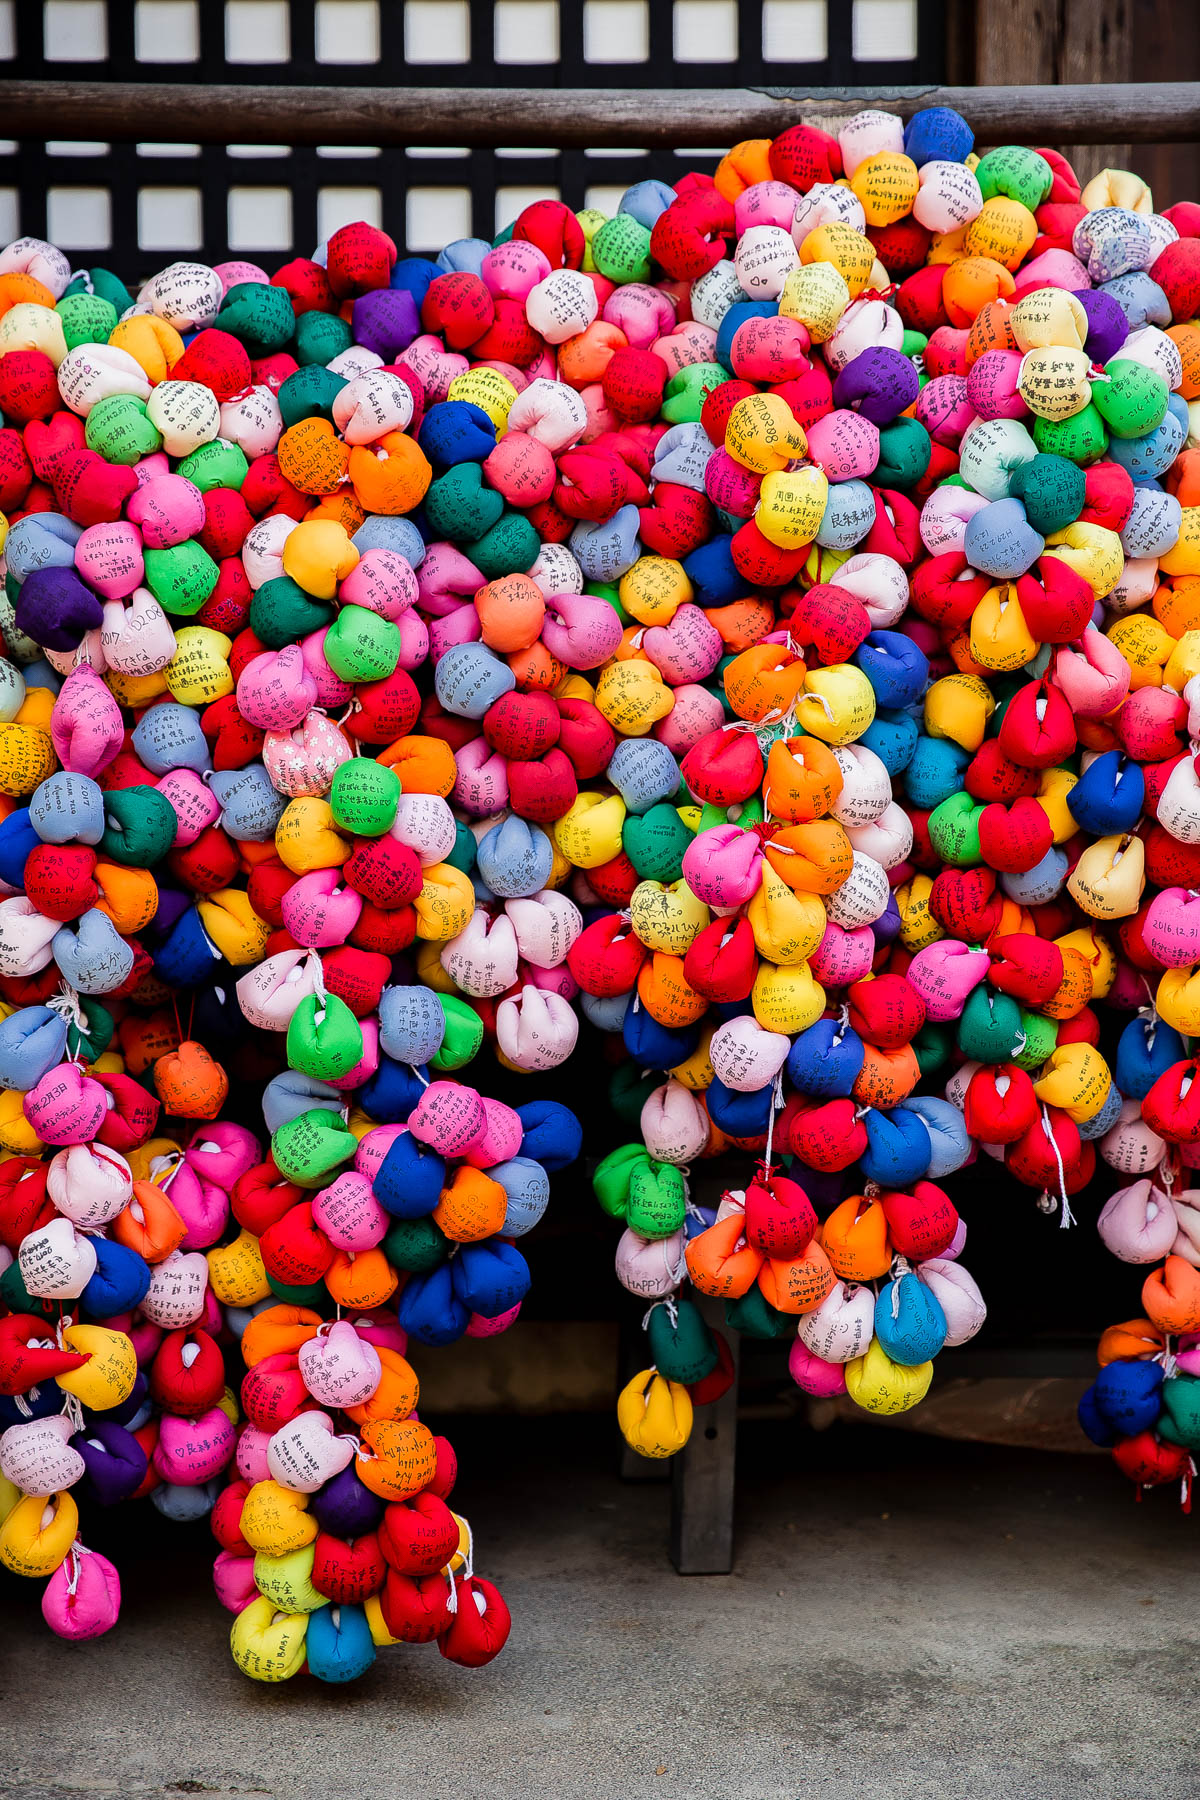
(657, 1203)
(1016, 171)
(324, 1039)
(905, 448)
(182, 577)
(1133, 401)
(621, 250)
(86, 319)
(119, 431)
(308, 1148)
(509, 548)
(364, 796)
(360, 645)
(217, 464)
(1041, 1035)
(1081, 439)
(682, 1348)
(459, 507)
(462, 857)
(989, 1030)
(282, 613)
(655, 842)
(139, 826)
(931, 1047)
(711, 815)
(15, 1296)
(415, 1245)
(463, 1038)
(259, 315)
(1052, 490)
(104, 284)
(310, 393)
(628, 1091)
(755, 1317)
(314, 1293)
(320, 337)
(96, 1036)
(685, 393)
(954, 830)
(613, 1174)
(1179, 1421)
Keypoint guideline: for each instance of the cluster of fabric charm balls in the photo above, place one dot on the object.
(211, 893)
(764, 623)
(948, 803)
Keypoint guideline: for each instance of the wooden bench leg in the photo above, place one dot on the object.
(703, 1478)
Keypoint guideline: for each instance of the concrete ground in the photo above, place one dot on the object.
(907, 1617)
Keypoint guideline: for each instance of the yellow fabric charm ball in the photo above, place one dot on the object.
(488, 389)
(1094, 552)
(958, 707)
(234, 926)
(276, 1520)
(199, 671)
(786, 999)
(1108, 880)
(236, 1273)
(286, 1581)
(816, 294)
(847, 251)
(762, 434)
(837, 705)
(633, 697)
(1177, 1000)
(445, 904)
(107, 1377)
(654, 589)
(887, 185)
(791, 505)
(1076, 1079)
(879, 1385)
(918, 927)
(787, 926)
(306, 836)
(266, 1645)
(666, 918)
(1053, 382)
(151, 342)
(590, 832)
(1048, 316)
(1117, 187)
(37, 1534)
(655, 1415)
(318, 555)
(1053, 793)
(1000, 638)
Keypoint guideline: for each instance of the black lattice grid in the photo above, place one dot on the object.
(167, 201)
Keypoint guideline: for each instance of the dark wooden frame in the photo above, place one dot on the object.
(179, 112)
(394, 170)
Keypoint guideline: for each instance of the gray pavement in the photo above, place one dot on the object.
(907, 1617)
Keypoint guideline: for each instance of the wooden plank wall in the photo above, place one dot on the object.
(1050, 41)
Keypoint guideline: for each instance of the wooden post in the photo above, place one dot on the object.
(1097, 41)
(1166, 43)
(702, 1494)
(1055, 41)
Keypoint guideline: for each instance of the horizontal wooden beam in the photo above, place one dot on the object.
(573, 118)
